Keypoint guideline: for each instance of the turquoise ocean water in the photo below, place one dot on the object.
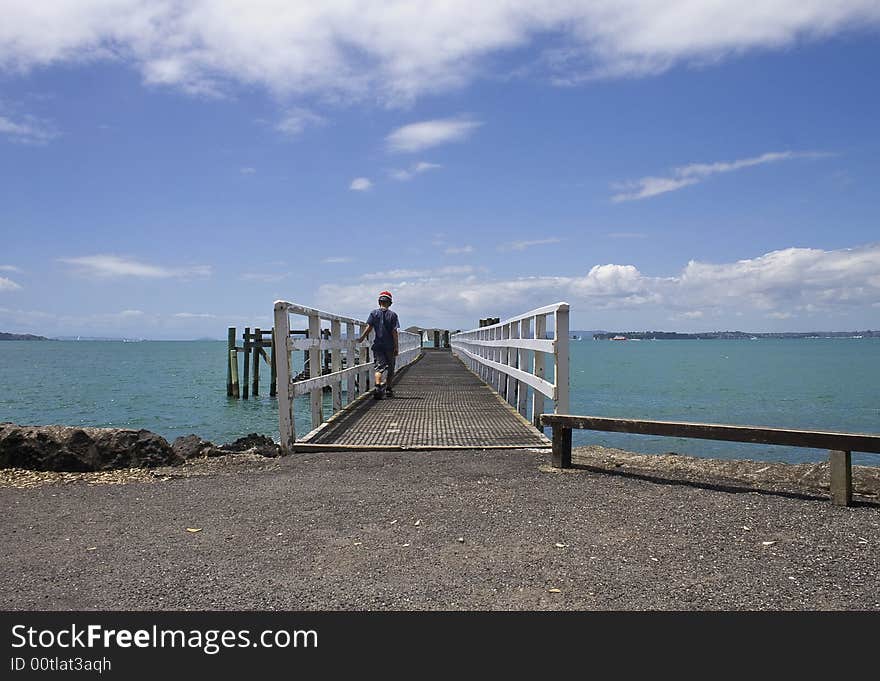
(179, 387)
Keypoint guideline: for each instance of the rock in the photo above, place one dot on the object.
(193, 447)
(258, 444)
(66, 448)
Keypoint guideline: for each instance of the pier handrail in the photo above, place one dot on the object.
(498, 354)
(839, 445)
(356, 375)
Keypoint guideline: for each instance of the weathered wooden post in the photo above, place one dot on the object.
(841, 477)
(233, 369)
(230, 346)
(561, 447)
(436, 338)
(258, 346)
(247, 356)
(282, 361)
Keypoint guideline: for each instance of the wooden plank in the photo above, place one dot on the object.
(282, 380)
(545, 345)
(512, 373)
(317, 383)
(841, 477)
(830, 440)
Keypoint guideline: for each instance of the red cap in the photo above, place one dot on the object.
(385, 294)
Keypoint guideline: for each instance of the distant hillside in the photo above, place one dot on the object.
(20, 336)
(739, 335)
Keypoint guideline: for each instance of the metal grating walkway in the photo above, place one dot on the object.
(438, 404)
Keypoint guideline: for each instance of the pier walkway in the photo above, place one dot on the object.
(438, 404)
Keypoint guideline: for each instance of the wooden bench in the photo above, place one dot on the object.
(839, 445)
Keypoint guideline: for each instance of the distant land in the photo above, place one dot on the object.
(725, 335)
(21, 336)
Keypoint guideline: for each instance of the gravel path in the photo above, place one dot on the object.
(445, 530)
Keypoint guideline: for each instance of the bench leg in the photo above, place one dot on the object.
(841, 477)
(561, 447)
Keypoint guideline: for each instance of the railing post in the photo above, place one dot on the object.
(560, 375)
(522, 393)
(561, 447)
(336, 362)
(538, 370)
(282, 369)
(841, 477)
(364, 357)
(316, 396)
(349, 361)
(505, 353)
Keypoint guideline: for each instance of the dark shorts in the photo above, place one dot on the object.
(384, 361)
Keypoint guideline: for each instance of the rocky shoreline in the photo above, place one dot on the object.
(32, 456)
(79, 450)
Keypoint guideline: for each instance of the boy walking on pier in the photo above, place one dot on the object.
(385, 344)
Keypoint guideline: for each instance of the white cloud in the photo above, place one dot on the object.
(360, 184)
(394, 52)
(790, 284)
(456, 250)
(426, 134)
(337, 259)
(396, 274)
(523, 245)
(194, 315)
(685, 176)
(9, 268)
(7, 284)
(29, 130)
(296, 120)
(413, 170)
(111, 266)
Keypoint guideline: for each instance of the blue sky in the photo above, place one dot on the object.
(172, 168)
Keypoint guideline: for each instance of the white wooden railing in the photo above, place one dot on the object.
(350, 363)
(499, 355)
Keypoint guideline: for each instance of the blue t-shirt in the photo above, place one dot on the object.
(383, 322)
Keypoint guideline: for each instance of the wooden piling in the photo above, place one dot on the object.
(258, 347)
(233, 372)
(230, 345)
(247, 356)
(273, 388)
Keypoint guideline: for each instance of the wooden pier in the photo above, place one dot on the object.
(496, 386)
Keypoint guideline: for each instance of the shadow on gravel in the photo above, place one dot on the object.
(729, 487)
